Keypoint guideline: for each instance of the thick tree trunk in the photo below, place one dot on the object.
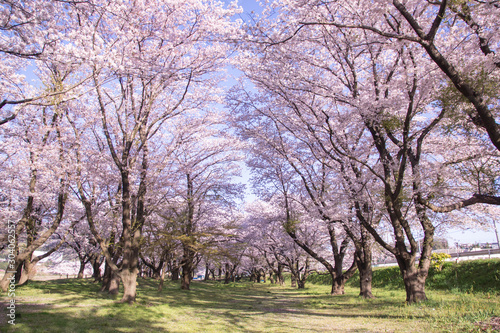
(82, 269)
(365, 279)
(257, 275)
(34, 244)
(337, 289)
(129, 279)
(96, 268)
(186, 278)
(364, 263)
(106, 276)
(8, 276)
(338, 284)
(207, 272)
(253, 276)
(24, 271)
(293, 283)
(271, 277)
(28, 271)
(414, 280)
(129, 272)
(110, 281)
(175, 271)
(280, 277)
(187, 267)
(113, 286)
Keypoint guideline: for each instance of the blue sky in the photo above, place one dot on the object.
(471, 236)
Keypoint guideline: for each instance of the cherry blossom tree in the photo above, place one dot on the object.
(265, 226)
(460, 39)
(82, 243)
(312, 77)
(286, 168)
(203, 193)
(37, 177)
(33, 31)
(148, 63)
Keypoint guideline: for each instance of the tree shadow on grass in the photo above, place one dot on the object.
(39, 318)
(78, 306)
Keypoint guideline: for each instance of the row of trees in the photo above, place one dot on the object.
(119, 133)
(362, 123)
(372, 117)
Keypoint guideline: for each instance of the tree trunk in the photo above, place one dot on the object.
(175, 271)
(96, 267)
(227, 277)
(186, 278)
(294, 281)
(338, 286)
(207, 272)
(363, 257)
(106, 276)
(113, 284)
(82, 269)
(271, 276)
(280, 277)
(8, 276)
(187, 267)
(155, 273)
(129, 279)
(414, 280)
(162, 278)
(28, 271)
(253, 275)
(365, 279)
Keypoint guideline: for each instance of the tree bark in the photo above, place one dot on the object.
(365, 279)
(96, 262)
(39, 241)
(129, 280)
(82, 269)
(227, 276)
(186, 278)
(175, 271)
(162, 278)
(271, 276)
(187, 268)
(414, 281)
(207, 272)
(293, 282)
(281, 278)
(113, 285)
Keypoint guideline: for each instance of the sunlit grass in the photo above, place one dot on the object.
(78, 306)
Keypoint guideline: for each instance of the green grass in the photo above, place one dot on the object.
(72, 305)
(467, 276)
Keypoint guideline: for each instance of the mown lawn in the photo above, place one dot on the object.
(72, 305)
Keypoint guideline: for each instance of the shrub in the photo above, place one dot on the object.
(438, 259)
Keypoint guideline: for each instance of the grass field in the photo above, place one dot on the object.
(71, 305)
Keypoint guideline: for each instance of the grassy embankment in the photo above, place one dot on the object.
(460, 297)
